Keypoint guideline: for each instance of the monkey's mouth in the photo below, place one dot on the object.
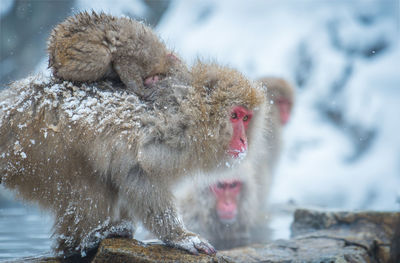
(227, 217)
(238, 154)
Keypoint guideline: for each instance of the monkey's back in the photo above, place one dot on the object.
(46, 124)
(95, 107)
(78, 49)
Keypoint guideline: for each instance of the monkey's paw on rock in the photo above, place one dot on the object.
(194, 244)
(130, 250)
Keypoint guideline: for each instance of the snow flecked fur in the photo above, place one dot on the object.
(100, 158)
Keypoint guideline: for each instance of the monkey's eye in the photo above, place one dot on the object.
(233, 185)
(245, 118)
(220, 185)
(234, 115)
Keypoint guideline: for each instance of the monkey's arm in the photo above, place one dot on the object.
(129, 73)
(154, 206)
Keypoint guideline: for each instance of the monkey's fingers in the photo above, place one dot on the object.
(152, 80)
(206, 248)
(193, 244)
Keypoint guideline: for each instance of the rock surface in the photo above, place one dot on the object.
(130, 250)
(323, 237)
(328, 237)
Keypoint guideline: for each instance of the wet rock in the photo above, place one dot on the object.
(321, 250)
(372, 231)
(130, 250)
(328, 237)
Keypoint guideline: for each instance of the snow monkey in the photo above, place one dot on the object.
(102, 158)
(89, 47)
(281, 95)
(232, 212)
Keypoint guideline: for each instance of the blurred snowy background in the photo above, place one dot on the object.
(342, 146)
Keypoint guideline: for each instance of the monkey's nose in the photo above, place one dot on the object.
(244, 143)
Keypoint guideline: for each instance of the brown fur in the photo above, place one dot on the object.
(102, 159)
(91, 47)
(256, 173)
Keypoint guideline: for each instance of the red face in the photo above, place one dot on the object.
(240, 119)
(284, 110)
(226, 194)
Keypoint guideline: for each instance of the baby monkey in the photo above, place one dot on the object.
(90, 47)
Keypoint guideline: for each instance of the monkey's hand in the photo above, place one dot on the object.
(152, 80)
(192, 243)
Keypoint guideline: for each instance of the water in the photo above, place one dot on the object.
(24, 231)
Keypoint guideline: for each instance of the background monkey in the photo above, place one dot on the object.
(91, 47)
(233, 212)
(280, 94)
(101, 159)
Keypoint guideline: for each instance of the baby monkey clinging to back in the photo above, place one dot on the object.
(91, 47)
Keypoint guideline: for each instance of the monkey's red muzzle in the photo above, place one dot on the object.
(226, 194)
(240, 118)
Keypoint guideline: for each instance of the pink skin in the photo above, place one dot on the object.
(226, 194)
(284, 110)
(151, 80)
(240, 119)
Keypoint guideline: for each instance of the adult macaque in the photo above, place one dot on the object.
(91, 47)
(280, 95)
(232, 212)
(280, 92)
(101, 158)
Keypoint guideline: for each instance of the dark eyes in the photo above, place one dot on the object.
(233, 185)
(225, 185)
(234, 116)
